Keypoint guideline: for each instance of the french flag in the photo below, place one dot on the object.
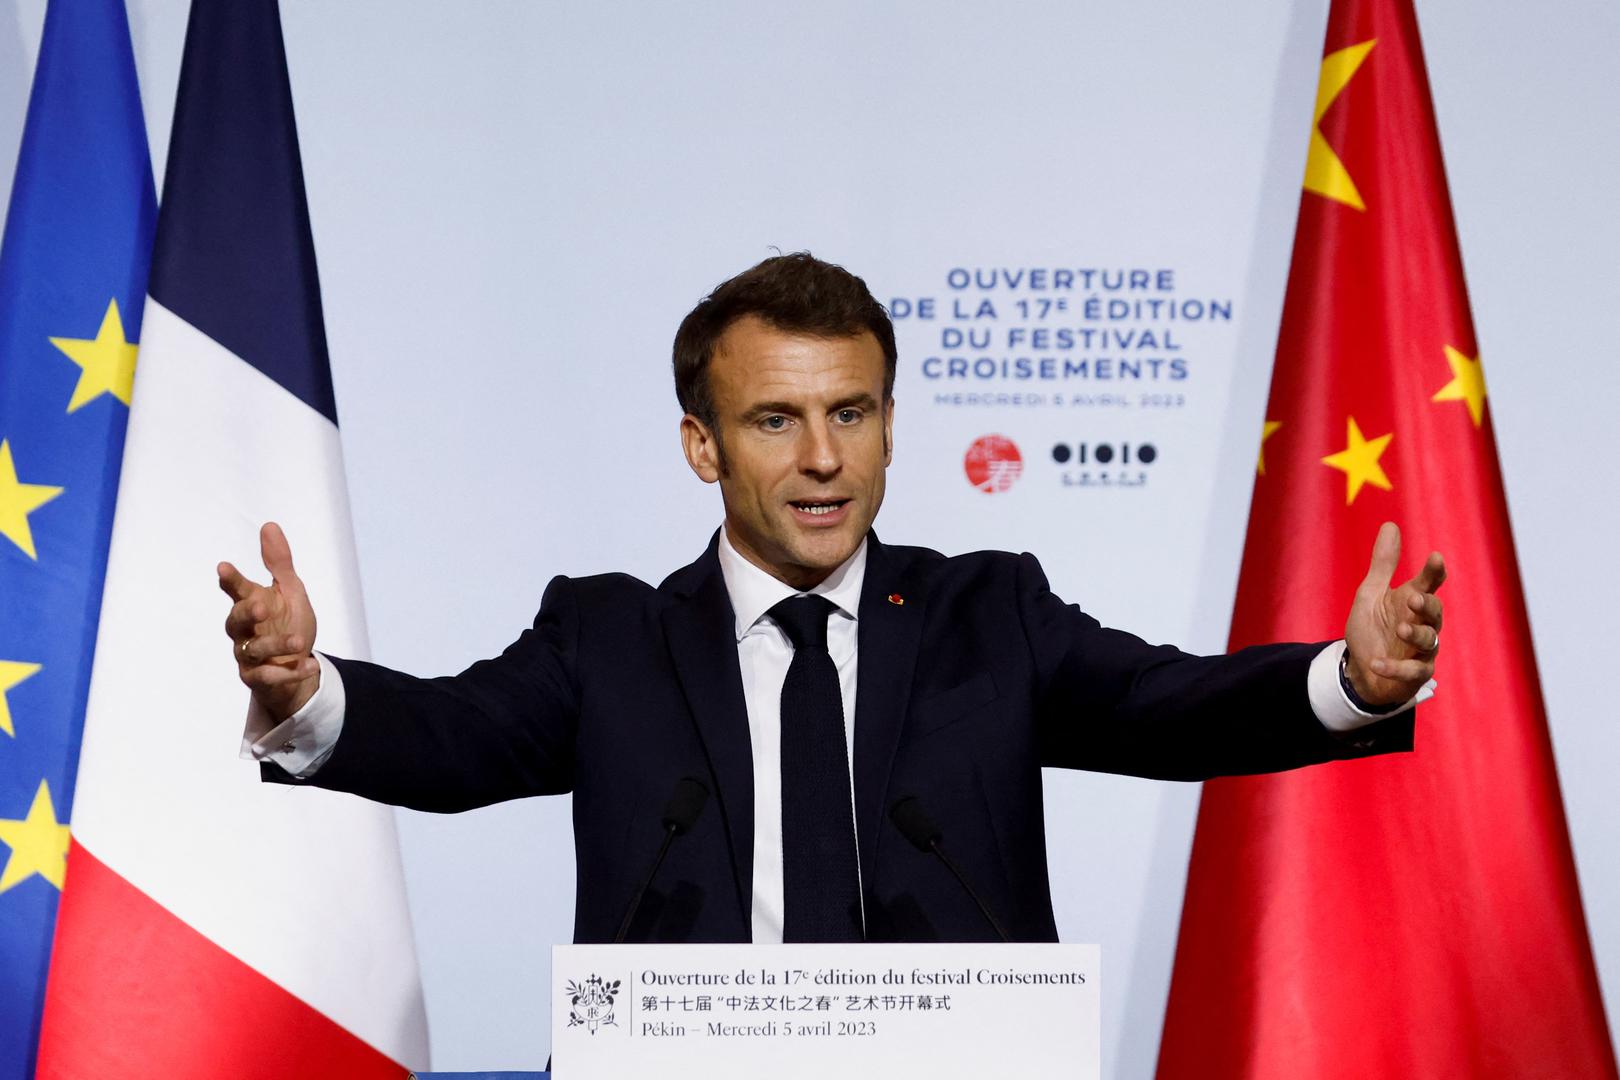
(211, 925)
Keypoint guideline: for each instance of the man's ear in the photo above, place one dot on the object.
(701, 447)
(888, 432)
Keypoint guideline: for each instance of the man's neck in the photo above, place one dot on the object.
(753, 590)
(798, 578)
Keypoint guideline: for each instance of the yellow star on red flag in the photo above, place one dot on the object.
(1359, 462)
(1266, 432)
(1325, 174)
(1467, 384)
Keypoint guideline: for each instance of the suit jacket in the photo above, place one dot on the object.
(964, 692)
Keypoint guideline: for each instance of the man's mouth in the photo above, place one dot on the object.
(818, 507)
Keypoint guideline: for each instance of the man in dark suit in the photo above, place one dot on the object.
(961, 677)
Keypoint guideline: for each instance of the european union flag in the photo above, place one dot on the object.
(73, 264)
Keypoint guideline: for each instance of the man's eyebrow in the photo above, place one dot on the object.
(861, 400)
(766, 408)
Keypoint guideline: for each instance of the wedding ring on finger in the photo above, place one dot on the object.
(243, 648)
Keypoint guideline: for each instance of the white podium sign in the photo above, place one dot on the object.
(932, 1012)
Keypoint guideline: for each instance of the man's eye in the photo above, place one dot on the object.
(848, 416)
(774, 423)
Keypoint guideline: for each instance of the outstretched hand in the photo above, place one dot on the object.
(1393, 634)
(272, 629)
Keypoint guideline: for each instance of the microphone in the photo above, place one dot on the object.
(915, 824)
(685, 804)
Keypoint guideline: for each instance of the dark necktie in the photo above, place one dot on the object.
(820, 877)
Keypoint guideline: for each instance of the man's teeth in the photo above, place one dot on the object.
(818, 508)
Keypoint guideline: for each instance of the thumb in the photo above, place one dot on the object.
(1386, 555)
(277, 554)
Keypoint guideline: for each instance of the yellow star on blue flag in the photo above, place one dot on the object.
(106, 361)
(73, 262)
(38, 843)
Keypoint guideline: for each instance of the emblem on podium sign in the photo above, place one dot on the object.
(591, 1003)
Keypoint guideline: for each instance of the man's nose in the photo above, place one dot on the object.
(818, 451)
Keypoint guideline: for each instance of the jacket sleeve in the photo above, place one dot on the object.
(502, 729)
(1108, 701)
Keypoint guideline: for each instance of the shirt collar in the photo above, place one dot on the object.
(753, 592)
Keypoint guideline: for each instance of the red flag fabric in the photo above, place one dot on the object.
(1412, 915)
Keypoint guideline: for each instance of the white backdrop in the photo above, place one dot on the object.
(514, 203)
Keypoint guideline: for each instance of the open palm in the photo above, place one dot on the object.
(1393, 634)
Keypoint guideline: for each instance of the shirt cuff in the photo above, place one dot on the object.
(301, 743)
(1330, 704)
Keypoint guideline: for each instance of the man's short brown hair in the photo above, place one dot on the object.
(796, 293)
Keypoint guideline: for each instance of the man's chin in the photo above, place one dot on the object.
(806, 564)
(826, 554)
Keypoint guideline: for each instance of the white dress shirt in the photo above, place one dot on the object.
(302, 742)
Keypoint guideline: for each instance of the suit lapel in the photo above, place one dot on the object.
(699, 629)
(890, 634)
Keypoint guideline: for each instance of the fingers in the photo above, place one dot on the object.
(258, 636)
(1412, 672)
(1433, 574)
(1421, 627)
(277, 554)
(1427, 608)
(267, 647)
(1425, 639)
(1385, 555)
(233, 583)
(276, 676)
(243, 620)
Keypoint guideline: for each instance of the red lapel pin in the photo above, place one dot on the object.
(896, 599)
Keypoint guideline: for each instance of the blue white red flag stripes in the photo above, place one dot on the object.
(213, 925)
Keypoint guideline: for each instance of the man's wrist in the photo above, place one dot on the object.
(306, 691)
(1349, 687)
(1329, 691)
(301, 743)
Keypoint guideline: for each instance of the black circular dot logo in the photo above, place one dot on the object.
(1123, 453)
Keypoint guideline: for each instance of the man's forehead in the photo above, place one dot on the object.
(755, 360)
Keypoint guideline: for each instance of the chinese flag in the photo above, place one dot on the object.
(1410, 915)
